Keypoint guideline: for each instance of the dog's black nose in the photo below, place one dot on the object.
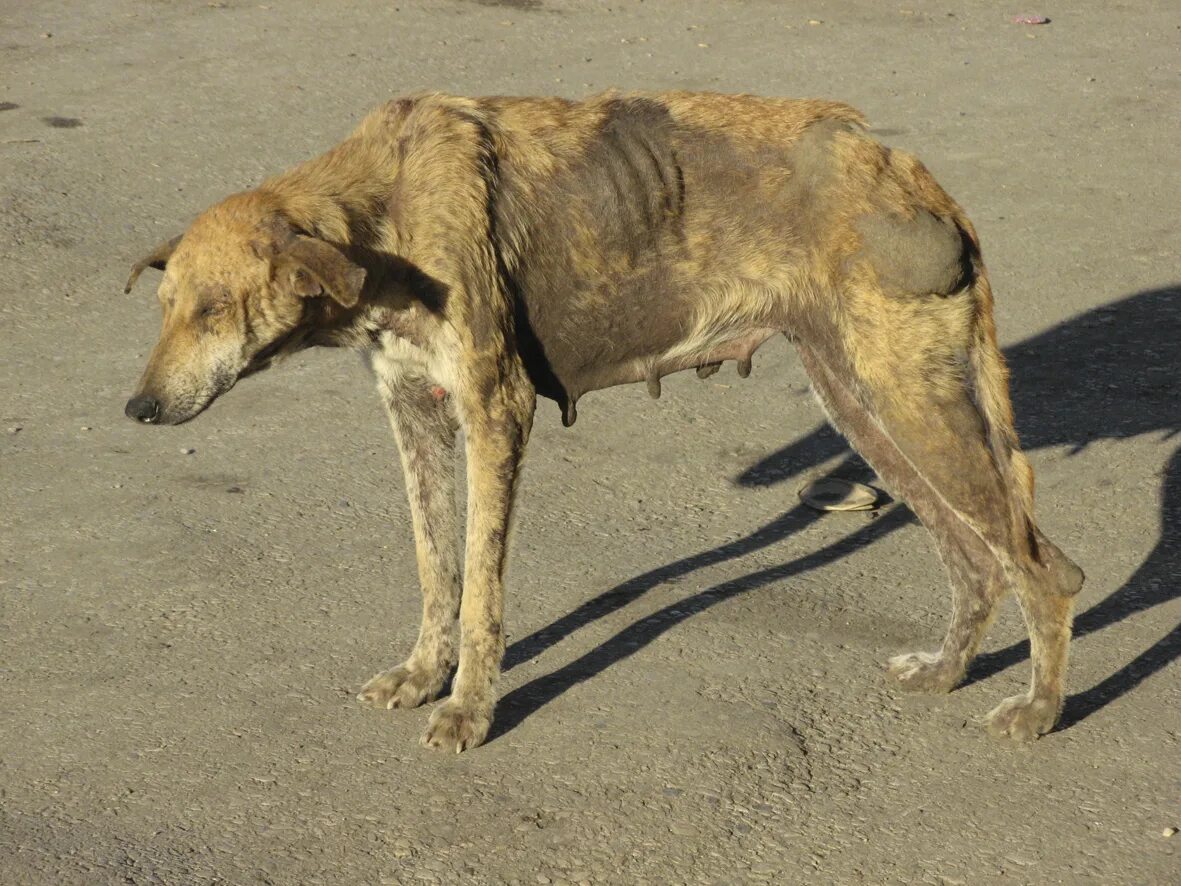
(143, 408)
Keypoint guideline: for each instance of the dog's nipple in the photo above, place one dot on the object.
(705, 370)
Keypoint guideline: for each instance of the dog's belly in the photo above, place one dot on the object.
(633, 331)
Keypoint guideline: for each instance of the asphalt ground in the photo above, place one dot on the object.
(694, 688)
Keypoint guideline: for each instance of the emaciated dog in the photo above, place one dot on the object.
(480, 252)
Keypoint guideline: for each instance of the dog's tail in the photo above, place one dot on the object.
(990, 385)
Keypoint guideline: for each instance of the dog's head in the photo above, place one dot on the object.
(242, 286)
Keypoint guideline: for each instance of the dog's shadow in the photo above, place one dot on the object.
(1112, 373)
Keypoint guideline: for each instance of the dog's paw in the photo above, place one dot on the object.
(923, 672)
(1023, 718)
(457, 727)
(406, 686)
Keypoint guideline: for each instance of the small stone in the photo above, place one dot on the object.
(46, 35)
(15, 429)
(87, 428)
(1168, 832)
(187, 450)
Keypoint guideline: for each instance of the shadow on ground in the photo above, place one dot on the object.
(1112, 373)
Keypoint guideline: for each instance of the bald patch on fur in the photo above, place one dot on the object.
(914, 256)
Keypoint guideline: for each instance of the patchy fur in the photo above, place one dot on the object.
(481, 252)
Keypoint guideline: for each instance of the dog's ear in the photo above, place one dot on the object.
(157, 259)
(312, 267)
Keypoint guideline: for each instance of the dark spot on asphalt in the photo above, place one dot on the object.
(62, 122)
(524, 5)
(8, 106)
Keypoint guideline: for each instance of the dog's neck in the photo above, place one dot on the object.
(327, 195)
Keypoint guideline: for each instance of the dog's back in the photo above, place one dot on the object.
(648, 233)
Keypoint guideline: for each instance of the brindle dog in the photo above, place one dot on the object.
(480, 252)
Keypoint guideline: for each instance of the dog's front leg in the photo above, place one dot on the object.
(425, 427)
(497, 415)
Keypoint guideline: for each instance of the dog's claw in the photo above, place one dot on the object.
(1023, 718)
(744, 368)
(456, 727)
(922, 672)
(405, 686)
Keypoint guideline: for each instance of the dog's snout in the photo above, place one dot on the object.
(143, 408)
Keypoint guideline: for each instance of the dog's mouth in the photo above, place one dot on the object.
(192, 403)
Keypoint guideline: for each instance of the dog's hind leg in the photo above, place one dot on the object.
(977, 586)
(976, 576)
(900, 379)
(425, 428)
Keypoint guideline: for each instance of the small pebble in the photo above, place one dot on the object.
(1168, 832)
(15, 429)
(187, 451)
(87, 428)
